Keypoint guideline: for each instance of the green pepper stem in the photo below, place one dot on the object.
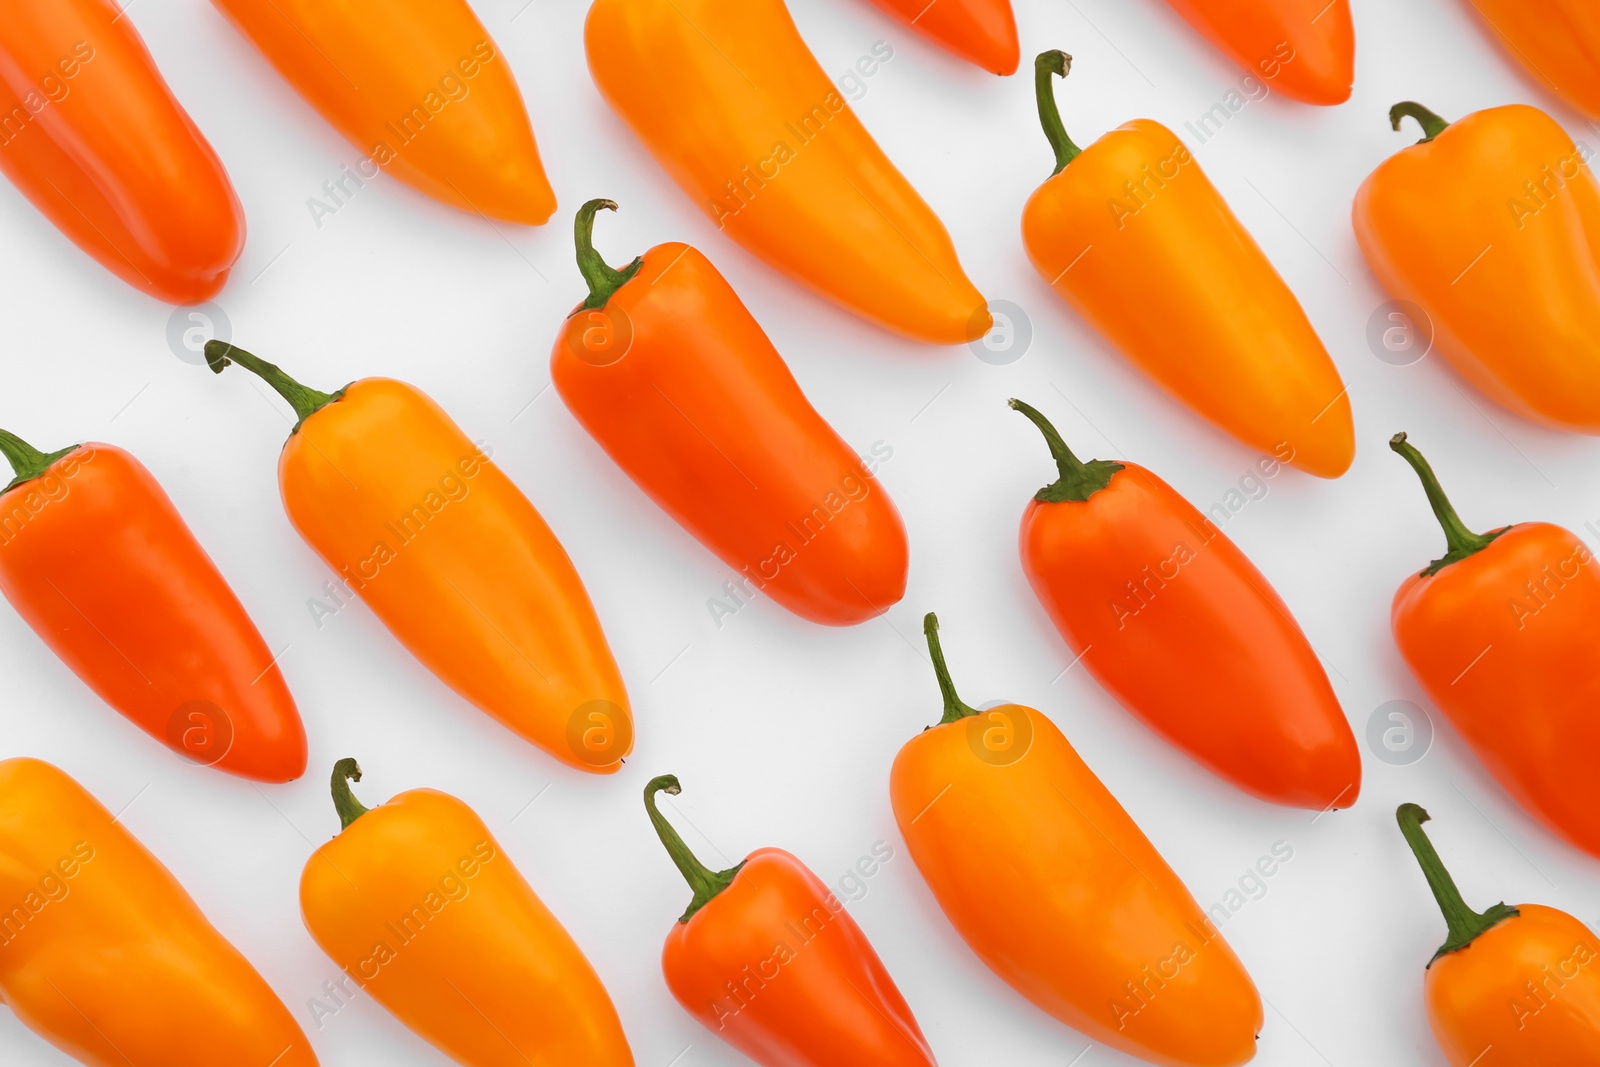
(1460, 542)
(1053, 64)
(705, 882)
(305, 401)
(1465, 925)
(1432, 125)
(1079, 480)
(26, 461)
(344, 801)
(603, 280)
(955, 708)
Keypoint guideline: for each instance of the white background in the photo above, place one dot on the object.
(782, 731)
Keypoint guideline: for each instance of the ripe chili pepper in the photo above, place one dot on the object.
(1501, 632)
(1304, 48)
(103, 953)
(96, 559)
(732, 103)
(448, 553)
(1557, 40)
(90, 133)
(768, 959)
(419, 906)
(980, 31)
(1491, 224)
(674, 378)
(1176, 622)
(1049, 881)
(1510, 987)
(417, 85)
(1133, 235)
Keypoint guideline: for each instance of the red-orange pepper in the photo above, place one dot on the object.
(1558, 41)
(768, 959)
(670, 373)
(980, 31)
(91, 134)
(98, 561)
(1305, 48)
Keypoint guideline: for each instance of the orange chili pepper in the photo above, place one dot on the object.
(673, 377)
(418, 904)
(417, 85)
(1175, 621)
(104, 955)
(1133, 235)
(1049, 881)
(1558, 41)
(1305, 48)
(96, 559)
(1491, 225)
(769, 960)
(1510, 987)
(980, 31)
(448, 553)
(1501, 632)
(732, 103)
(90, 133)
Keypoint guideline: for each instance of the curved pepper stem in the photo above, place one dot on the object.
(1465, 924)
(1053, 64)
(955, 708)
(345, 803)
(305, 401)
(603, 281)
(26, 461)
(1460, 542)
(705, 882)
(1079, 480)
(1432, 125)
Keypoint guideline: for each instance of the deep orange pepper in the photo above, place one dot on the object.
(768, 958)
(1501, 632)
(1491, 224)
(91, 134)
(1305, 48)
(420, 906)
(1558, 41)
(97, 560)
(728, 98)
(419, 87)
(980, 31)
(1175, 621)
(448, 553)
(1057, 890)
(1510, 987)
(1133, 235)
(670, 373)
(103, 953)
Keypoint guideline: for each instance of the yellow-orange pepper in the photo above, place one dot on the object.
(103, 953)
(1558, 41)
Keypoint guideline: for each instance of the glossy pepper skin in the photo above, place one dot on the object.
(97, 560)
(1132, 234)
(673, 377)
(1501, 631)
(1510, 987)
(419, 87)
(728, 98)
(1057, 890)
(980, 31)
(1491, 224)
(1557, 40)
(1176, 622)
(419, 905)
(90, 133)
(104, 954)
(767, 958)
(447, 552)
(1305, 49)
